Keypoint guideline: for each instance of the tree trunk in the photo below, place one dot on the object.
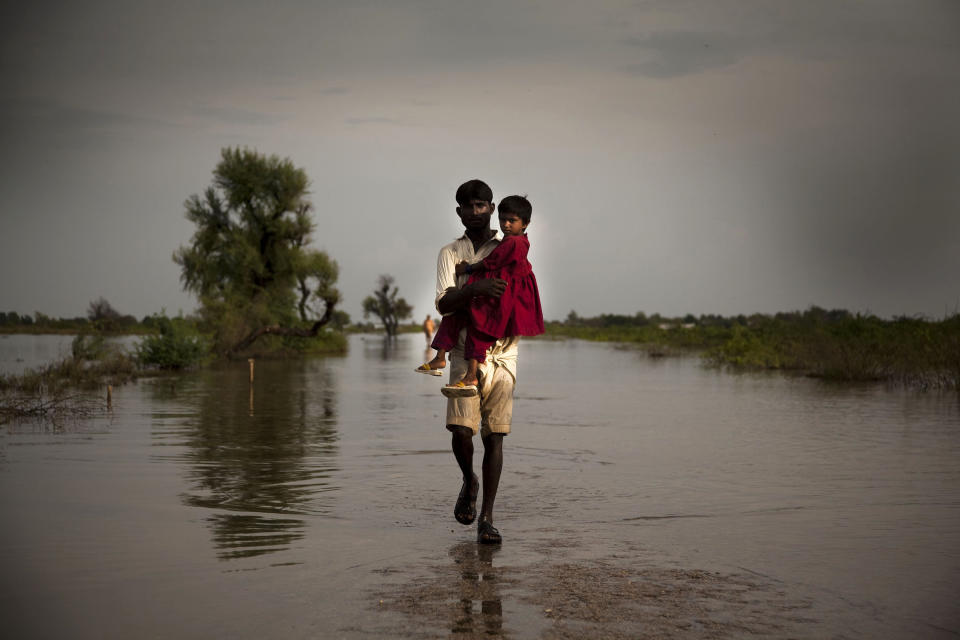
(277, 330)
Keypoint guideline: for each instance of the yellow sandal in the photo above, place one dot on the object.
(459, 390)
(425, 369)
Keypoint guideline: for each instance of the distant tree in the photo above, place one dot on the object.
(102, 315)
(385, 304)
(572, 319)
(14, 318)
(249, 261)
(100, 310)
(340, 320)
(838, 315)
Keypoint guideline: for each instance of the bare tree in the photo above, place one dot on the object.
(385, 304)
(101, 310)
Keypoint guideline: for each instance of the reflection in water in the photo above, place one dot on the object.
(255, 452)
(478, 585)
(382, 348)
(243, 536)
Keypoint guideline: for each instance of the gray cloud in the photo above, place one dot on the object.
(734, 30)
(372, 120)
(680, 53)
(237, 115)
(49, 112)
(38, 125)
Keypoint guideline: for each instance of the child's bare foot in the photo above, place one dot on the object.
(471, 376)
(433, 367)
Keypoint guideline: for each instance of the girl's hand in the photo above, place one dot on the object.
(461, 267)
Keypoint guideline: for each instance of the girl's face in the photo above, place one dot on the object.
(511, 224)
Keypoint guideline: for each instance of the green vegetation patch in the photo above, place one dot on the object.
(834, 345)
(176, 345)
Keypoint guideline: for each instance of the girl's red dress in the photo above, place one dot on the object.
(517, 312)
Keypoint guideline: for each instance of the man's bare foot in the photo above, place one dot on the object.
(438, 363)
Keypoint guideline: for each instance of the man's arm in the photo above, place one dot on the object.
(455, 299)
(449, 297)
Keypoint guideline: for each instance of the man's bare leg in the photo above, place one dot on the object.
(492, 466)
(461, 442)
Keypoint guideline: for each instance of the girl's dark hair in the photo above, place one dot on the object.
(518, 205)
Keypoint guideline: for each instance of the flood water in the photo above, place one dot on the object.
(319, 504)
(19, 352)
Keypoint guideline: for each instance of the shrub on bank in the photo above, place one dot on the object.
(177, 345)
(88, 346)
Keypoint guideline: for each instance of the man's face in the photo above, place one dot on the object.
(475, 215)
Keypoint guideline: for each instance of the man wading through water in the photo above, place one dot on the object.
(490, 412)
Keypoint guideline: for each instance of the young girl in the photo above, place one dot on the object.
(516, 313)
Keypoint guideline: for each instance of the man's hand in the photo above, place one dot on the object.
(461, 267)
(455, 299)
(493, 287)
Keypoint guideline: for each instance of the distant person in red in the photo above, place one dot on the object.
(516, 313)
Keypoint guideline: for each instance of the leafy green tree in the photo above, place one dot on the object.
(385, 304)
(249, 261)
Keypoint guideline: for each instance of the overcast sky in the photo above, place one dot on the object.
(704, 157)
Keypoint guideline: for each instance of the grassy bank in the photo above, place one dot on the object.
(836, 345)
(64, 389)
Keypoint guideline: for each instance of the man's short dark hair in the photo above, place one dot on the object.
(474, 190)
(517, 205)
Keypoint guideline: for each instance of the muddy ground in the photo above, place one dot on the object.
(563, 593)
